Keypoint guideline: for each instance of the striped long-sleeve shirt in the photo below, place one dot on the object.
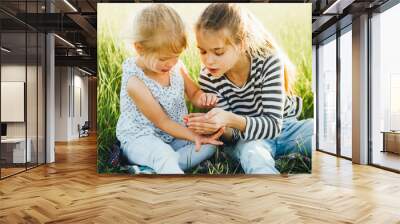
(261, 100)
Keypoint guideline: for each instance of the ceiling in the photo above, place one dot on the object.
(75, 21)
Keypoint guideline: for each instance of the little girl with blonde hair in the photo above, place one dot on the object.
(152, 99)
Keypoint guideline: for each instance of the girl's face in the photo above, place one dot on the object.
(217, 55)
(157, 62)
(161, 62)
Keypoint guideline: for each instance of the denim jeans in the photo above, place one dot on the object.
(165, 158)
(258, 156)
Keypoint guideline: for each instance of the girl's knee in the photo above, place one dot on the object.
(253, 150)
(252, 146)
(248, 145)
(256, 157)
(166, 162)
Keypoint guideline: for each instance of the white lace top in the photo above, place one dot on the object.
(132, 123)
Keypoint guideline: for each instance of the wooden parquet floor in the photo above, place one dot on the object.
(70, 191)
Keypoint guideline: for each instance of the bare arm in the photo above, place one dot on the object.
(194, 93)
(146, 103)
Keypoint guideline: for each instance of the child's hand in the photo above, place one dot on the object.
(208, 100)
(211, 139)
(187, 117)
(207, 123)
(198, 123)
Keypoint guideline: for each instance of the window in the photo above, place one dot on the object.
(346, 93)
(394, 102)
(22, 74)
(385, 87)
(327, 96)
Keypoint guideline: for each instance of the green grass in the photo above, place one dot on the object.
(295, 40)
(110, 57)
(190, 58)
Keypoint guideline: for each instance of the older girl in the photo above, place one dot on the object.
(251, 78)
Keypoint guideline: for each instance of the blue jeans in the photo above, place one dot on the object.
(165, 158)
(258, 156)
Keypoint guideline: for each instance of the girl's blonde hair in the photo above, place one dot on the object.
(247, 31)
(159, 27)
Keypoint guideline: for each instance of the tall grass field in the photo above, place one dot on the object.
(289, 24)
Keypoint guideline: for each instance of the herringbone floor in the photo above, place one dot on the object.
(70, 191)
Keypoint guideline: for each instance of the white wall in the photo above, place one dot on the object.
(68, 81)
(61, 103)
(82, 82)
(12, 73)
(34, 125)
